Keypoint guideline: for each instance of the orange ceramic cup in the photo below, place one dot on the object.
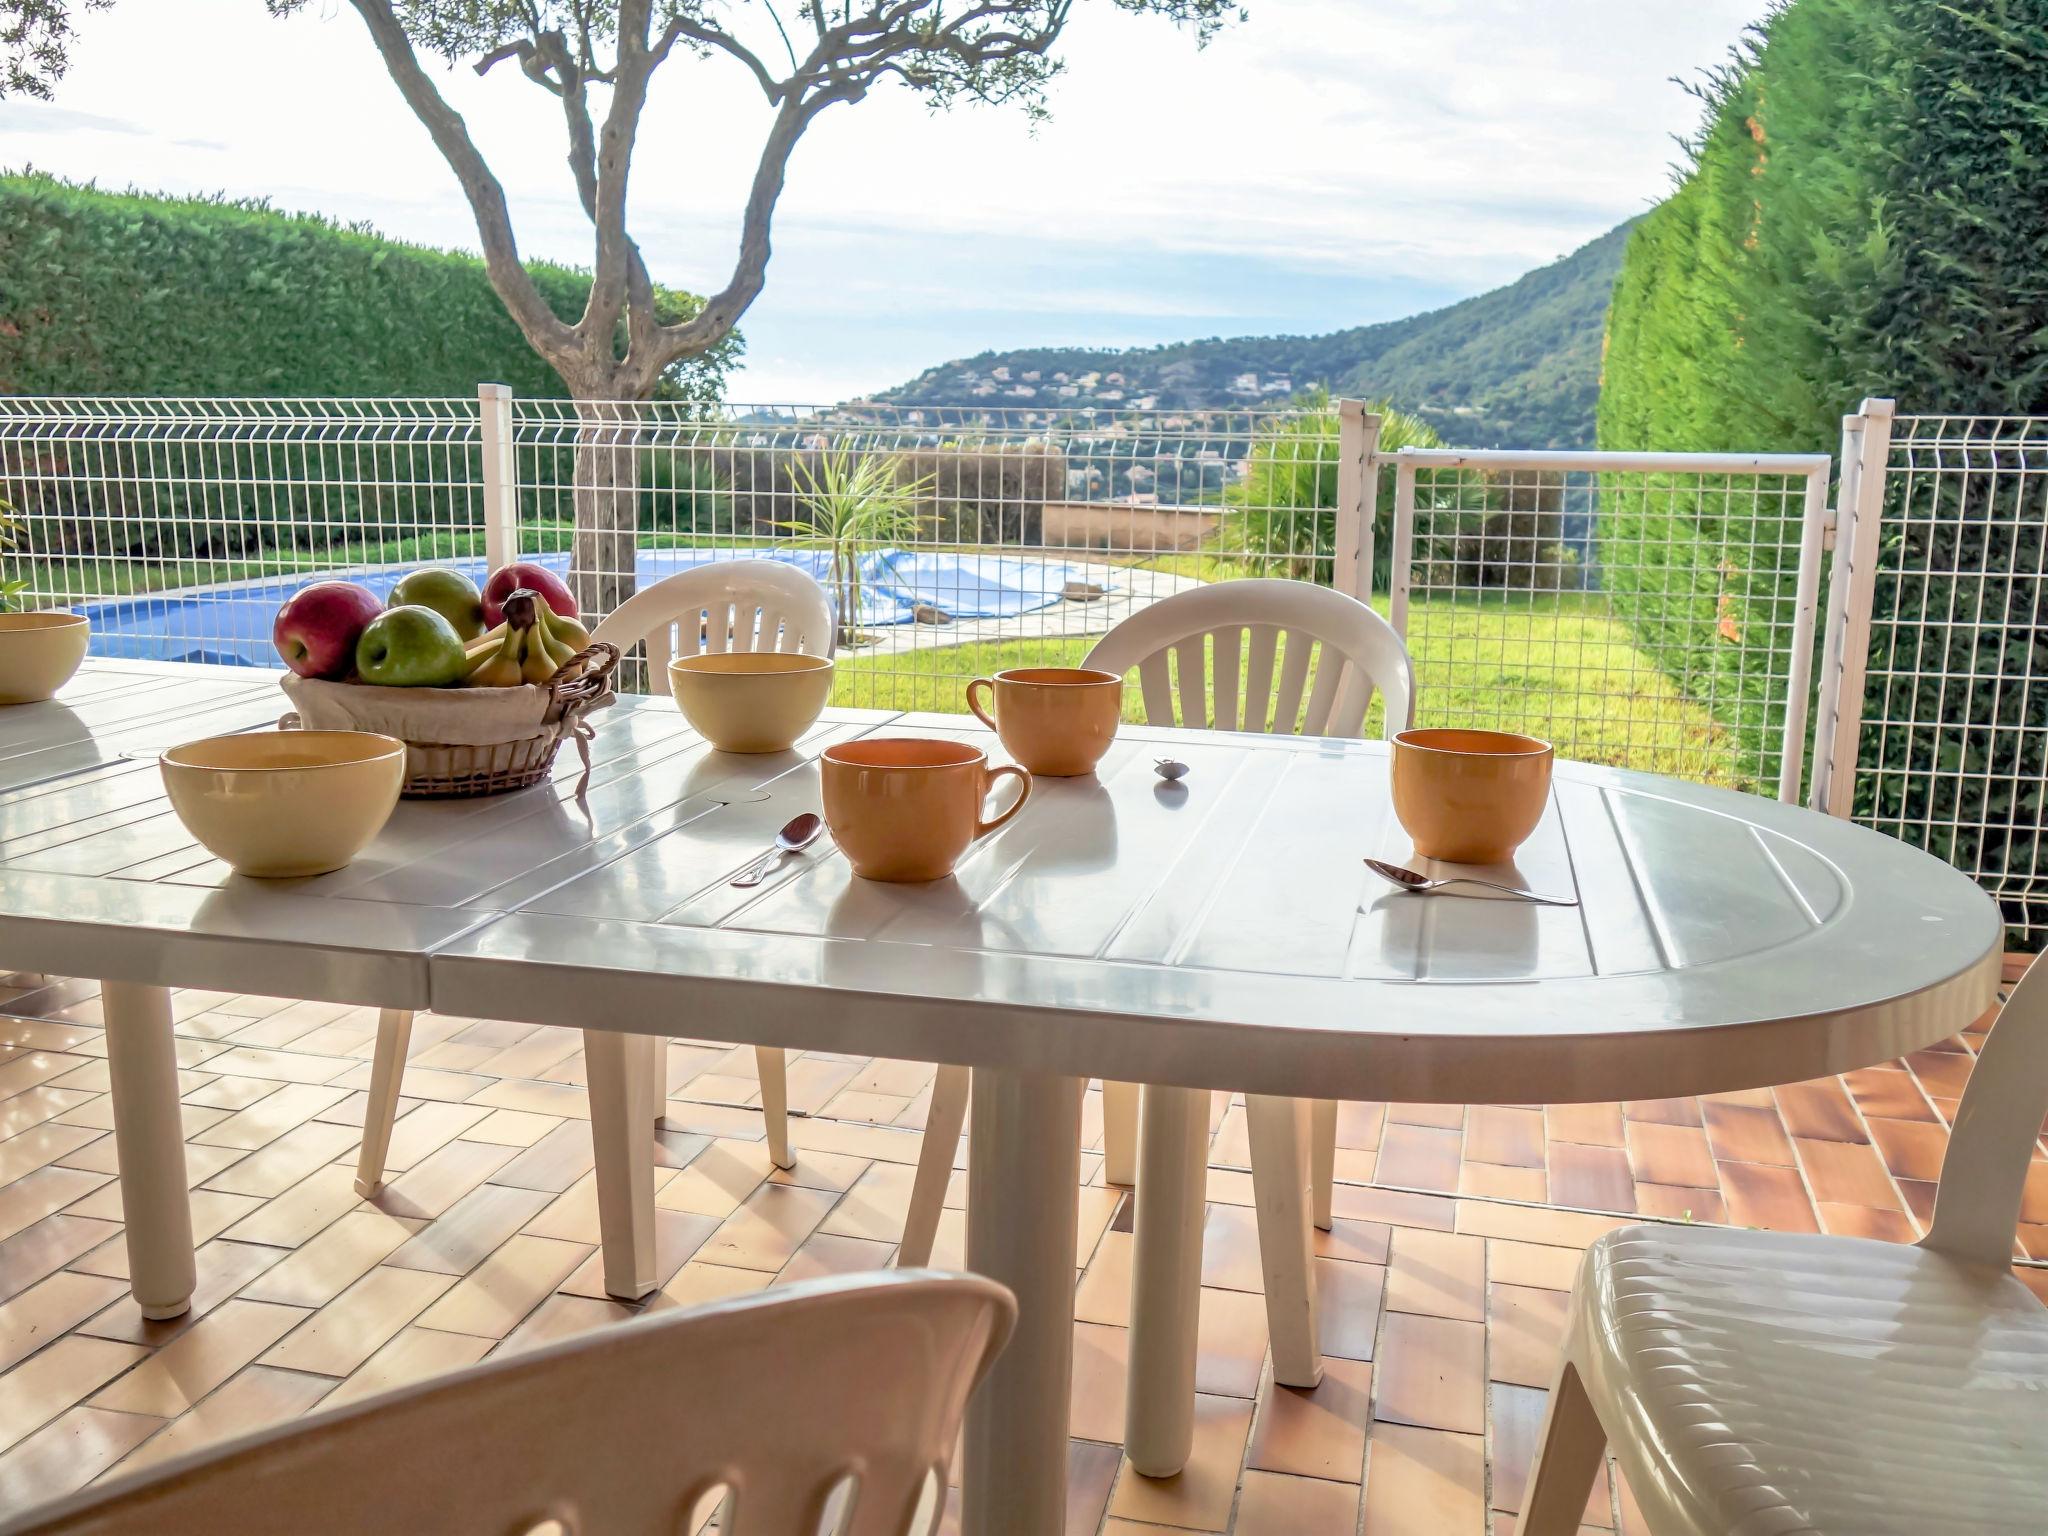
(904, 808)
(1470, 797)
(1056, 721)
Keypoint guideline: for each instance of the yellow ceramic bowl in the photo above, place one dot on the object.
(751, 701)
(281, 804)
(1470, 797)
(38, 654)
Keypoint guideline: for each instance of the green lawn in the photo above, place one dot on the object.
(1555, 666)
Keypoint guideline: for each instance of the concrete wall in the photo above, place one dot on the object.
(1110, 525)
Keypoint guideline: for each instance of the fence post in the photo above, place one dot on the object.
(1358, 441)
(501, 475)
(1852, 590)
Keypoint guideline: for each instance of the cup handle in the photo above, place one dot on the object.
(1008, 770)
(975, 706)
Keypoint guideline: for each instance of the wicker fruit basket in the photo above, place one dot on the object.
(464, 742)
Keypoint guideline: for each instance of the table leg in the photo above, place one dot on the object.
(1166, 1278)
(1023, 1173)
(149, 1146)
(387, 1076)
(617, 1066)
(1280, 1189)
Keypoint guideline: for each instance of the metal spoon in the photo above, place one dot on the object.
(1422, 885)
(1168, 769)
(801, 832)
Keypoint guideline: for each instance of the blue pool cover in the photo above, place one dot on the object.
(231, 624)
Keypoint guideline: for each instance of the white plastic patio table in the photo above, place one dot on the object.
(1222, 934)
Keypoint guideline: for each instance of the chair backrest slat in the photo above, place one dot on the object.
(777, 1396)
(1333, 653)
(729, 605)
(1990, 1149)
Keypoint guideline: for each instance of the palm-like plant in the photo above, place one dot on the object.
(11, 530)
(1288, 496)
(856, 502)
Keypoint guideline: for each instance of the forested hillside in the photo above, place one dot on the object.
(1516, 367)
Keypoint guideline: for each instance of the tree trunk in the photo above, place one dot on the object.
(607, 499)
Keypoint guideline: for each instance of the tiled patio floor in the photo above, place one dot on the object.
(1443, 1283)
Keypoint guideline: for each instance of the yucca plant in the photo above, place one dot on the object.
(11, 531)
(1288, 497)
(855, 502)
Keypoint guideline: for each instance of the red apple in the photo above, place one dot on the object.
(318, 626)
(538, 578)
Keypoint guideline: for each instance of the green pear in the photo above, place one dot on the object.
(449, 593)
(410, 647)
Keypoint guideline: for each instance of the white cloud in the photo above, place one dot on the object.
(1330, 152)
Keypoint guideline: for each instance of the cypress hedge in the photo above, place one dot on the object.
(1863, 215)
(127, 294)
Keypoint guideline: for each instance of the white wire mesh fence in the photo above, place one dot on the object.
(1650, 610)
(1943, 730)
(180, 524)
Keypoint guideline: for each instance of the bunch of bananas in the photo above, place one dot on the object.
(529, 646)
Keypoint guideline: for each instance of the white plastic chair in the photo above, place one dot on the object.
(1251, 655)
(838, 1398)
(1757, 1383)
(730, 605)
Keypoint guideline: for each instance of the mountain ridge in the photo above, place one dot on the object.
(1517, 366)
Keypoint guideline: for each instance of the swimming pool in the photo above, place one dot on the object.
(230, 624)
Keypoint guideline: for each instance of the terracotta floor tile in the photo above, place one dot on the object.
(1230, 1249)
(1230, 1343)
(1889, 1094)
(1359, 1125)
(1319, 1433)
(718, 1179)
(1271, 1505)
(563, 1317)
(1517, 1418)
(1349, 1297)
(1911, 1149)
(1919, 1196)
(50, 1308)
(224, 1268)
(696, 1283)
(553, 1163)
(1361, 1242)
(1559, 1229)
(1670, 1154)
(309, 1206)
(1524, 1333)
(1201, 1496)
(412, 1355)
(1598, 1125)
(1820, 1110)
(678, 1236)
(1104, 1294)
(67, 1453)
(200, 1359)
(54, 1378)
(1419, 1157)
(352, 1327)
(1594, 1177)
(1762, 1196)
(1513, 1137)
(1396, 1207)
(1431, 1373)
(1442, 1116)
(434, 1184)
(493, 1298)
(1941, 1073)
(1867, 1221)
(1742, 1133)
(331, 1261)
(1845, 1173)
(1675, 1202)
(1493, 1181)
(1512, 1263)
(2034, 1198)
(1663, 1111)
(1424, 1482)
(1439, 1273)
(47, 1245)
(1091, 1473)
(1101, 1361)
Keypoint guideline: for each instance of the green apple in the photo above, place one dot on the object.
(449, 593)
(410, 647)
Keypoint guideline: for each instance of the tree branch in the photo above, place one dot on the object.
(549, 336)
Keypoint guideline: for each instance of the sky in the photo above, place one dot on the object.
(1326, 164)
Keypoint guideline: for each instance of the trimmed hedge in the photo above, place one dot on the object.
(126, 294)
(1863, 216)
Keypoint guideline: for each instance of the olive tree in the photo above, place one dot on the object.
(598, 60)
